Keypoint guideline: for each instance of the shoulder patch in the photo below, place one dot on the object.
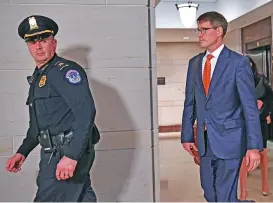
(73, 76)
(61, 65)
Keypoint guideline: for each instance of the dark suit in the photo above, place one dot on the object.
(231, 118)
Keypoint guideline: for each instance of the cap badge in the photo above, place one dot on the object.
(32, 23)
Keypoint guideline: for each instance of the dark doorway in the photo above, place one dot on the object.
(262, 57)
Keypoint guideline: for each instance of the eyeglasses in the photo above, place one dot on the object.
(203, 30)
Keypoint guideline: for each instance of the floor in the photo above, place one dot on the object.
(180, 175)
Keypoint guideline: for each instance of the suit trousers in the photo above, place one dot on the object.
(219, 177)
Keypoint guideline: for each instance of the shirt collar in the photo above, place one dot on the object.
(216, 52)
(41, 70)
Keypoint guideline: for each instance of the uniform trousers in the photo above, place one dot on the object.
(76, 189)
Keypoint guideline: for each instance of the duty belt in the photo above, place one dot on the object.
(62, 138)
(51, 143)
(57, 140)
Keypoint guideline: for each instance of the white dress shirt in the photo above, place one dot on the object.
(213, 61)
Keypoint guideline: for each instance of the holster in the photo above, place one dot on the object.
(95, 135)
(93, 138)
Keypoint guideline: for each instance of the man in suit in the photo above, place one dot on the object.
(220, 96)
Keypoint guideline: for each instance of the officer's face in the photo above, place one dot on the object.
(42, 50)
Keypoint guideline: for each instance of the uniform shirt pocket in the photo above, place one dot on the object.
(41, 96)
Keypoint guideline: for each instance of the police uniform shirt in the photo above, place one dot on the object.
(63, 102)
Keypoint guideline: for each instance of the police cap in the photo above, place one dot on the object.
(37, 27)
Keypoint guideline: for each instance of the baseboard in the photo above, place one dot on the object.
(170, 128)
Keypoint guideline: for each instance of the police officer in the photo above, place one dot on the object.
(62, 114)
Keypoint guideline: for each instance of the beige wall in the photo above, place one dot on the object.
(172, 63)
(176, 35)
(233, 40)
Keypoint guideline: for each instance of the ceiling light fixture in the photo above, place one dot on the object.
(187, 12)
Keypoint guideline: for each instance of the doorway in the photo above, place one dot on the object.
(262, 57)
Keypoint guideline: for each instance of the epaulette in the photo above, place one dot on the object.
(61, 65)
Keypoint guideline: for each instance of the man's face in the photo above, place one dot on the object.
(42, 50)
(208, 35)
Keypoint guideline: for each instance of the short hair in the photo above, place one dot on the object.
(216, 19)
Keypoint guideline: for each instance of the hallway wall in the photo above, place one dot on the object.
(172, 63)
(110, 39)
(233, 40)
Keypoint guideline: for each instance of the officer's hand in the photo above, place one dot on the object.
(189, 147)
(15, 162)
(252, 159)
(65, 168)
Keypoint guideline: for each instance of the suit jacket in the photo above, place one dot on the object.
(229, 112)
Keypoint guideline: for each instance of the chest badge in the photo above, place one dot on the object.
(42, 81)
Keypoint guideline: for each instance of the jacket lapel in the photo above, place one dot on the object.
(219, 69)
(199, 80)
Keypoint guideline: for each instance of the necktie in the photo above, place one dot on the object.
(207, 73)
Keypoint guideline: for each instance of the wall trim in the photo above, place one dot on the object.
(170, 128)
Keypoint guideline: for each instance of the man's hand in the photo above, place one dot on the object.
(15, 162)
(268, 119)
(260, 104)
(252, 159)
(65, 168)
(189, 147)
